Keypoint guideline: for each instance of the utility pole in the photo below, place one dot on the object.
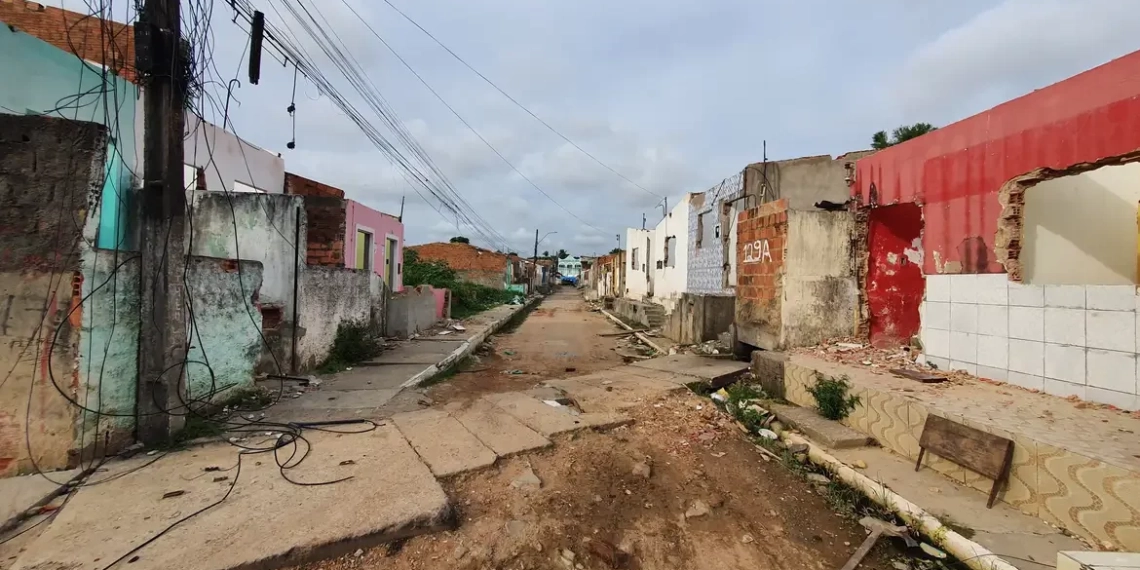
(534, 260)
(160, 401)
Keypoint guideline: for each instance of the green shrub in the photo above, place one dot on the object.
(354, 342)
(831, 397)
(466, 298)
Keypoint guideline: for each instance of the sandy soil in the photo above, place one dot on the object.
(558, 339)
(592, 503)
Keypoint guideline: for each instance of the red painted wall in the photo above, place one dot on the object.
(956, 171)
(894, 279)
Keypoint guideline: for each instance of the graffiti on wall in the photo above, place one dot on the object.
(757, 252)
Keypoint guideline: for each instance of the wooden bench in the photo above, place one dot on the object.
(985, 453)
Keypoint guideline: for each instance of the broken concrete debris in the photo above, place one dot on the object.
(699, 508)
(642, 469)
(527, 480)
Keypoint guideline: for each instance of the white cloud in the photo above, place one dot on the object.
(1012, 48)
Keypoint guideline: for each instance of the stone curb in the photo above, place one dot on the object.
(468, 346)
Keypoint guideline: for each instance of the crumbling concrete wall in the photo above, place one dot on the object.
(51, 179)
(253, 227)
(797, 283)
(699, 318)
(413, 311)
(226, 342)
(803, 181)
(331, 297)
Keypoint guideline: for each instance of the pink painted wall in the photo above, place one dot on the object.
(440, 303)
(381, 226)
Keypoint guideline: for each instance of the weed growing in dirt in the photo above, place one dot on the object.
(354, 342)
(449, 373)
(949, 522)
(831, 397)
(700, 388)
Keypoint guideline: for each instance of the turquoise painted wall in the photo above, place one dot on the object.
(223, 335)
(108, 343)
(43, 79)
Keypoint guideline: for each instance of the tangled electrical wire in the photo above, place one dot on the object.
(94, 36)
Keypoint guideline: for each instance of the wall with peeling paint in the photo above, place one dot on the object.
(1081, 229)
(894, 282)
(51, 180)
(955, 173)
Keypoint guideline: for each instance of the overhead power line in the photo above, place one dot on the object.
(516, 102)
(464, 121)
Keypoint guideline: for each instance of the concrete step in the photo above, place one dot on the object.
(715, 371)
(504, 434)
(819, 429)
(443, 443)
(549, 420)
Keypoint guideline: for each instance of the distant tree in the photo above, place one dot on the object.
(459, 239)
(513, 253)
(616, 250)
(546, 254)
(563, 254)
(902, 134)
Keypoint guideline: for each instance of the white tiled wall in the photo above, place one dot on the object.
(1067, 340)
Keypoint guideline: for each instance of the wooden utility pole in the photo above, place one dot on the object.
(161, 393)
(534, 260)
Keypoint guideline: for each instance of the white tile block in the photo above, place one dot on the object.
(936, 343)
(1111, 330)
(1063, 389)
(1065, 326)
(1027, 357)
(992, 289)
(1111, 297)
(1027, 381)
(993, 351)
(936, 315)
(938, 288)
(1023, 295)
(1118, 399)
(963, 318)
(939, 363)
(999, 374)
(1027, 323)
(963, 347)
(1065, 296)
(963, 288)
(1112, 370)
(967, 367)
(993, 320)
(1065, 363)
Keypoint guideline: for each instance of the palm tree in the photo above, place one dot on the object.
(900, 135)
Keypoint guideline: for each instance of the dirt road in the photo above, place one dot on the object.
(680, 488)
(558, 339)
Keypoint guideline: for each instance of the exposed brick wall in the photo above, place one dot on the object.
(762, 234)
(463, 257)
(101, 41)
(301, 186)
(327, 219)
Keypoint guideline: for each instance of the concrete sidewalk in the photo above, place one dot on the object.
(366, 389)
(393, 492)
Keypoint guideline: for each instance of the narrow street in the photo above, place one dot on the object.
(679, 487)
(558, 339)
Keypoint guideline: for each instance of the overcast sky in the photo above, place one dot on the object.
(674, 94)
